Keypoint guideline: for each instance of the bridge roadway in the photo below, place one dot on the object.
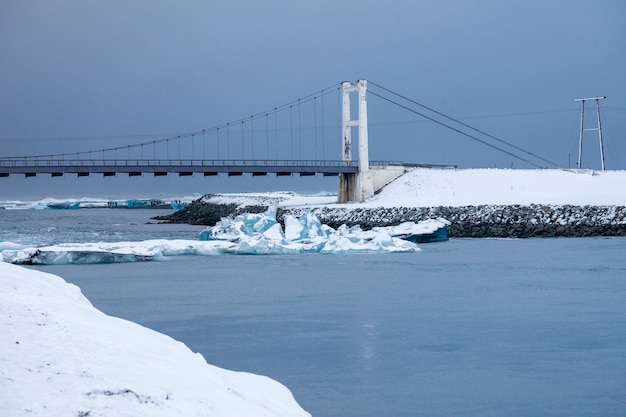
(183, 167)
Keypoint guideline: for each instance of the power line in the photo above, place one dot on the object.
(528, 113)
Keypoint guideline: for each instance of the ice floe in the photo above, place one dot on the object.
(246, 234)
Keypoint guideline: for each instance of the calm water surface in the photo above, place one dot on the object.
(468, 327)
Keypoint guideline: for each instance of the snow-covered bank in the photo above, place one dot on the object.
(478, 203)
(424, 187)
(475, 187)
(61, 356)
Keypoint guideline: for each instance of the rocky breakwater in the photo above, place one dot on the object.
(207, 214)
(210, 208)
(502, 221)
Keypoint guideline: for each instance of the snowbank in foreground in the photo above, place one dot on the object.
(61, 356)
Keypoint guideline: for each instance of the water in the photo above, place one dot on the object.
(50, 227)
(467, 327)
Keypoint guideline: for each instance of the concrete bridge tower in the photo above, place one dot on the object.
(355, 187)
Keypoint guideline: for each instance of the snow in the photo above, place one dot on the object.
(424, 187)
(62, 357)
(465, 187)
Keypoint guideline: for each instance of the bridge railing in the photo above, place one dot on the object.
(51, 163)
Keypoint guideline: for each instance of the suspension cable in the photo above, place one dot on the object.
(288, 106)
(457, 130)
(462, 124)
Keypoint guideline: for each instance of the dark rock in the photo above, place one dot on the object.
(511, 221)
(207, 214)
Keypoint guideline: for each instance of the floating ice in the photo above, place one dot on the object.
(246, 234)
(176, 203)
(108, 252)
(261, 234)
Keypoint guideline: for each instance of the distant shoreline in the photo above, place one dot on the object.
(483, 221)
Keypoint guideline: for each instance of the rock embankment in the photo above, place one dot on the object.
(492, 220)
(502, 221)
(202, 213)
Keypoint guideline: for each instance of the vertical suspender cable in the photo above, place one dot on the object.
(323, 128)
(315, 124)
(227, 140)
(267, 136)
(299, 130)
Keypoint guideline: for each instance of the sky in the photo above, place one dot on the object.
(87, 75)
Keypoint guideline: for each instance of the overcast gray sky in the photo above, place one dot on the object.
(79, 75)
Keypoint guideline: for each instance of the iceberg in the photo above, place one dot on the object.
(108, 252)
(57, 256)
(153, 203)
(425, 231)
(63, 205)
(244, 225)
(175, 203)
(260, 234)
(139, 203)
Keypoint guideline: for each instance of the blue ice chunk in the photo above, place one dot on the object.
(261, 234)
(306, 227)
(243, 225)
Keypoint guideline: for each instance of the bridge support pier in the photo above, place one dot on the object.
(360, 187)
(347, 187)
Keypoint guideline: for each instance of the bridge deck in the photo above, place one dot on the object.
(164, 167)
(110, 167)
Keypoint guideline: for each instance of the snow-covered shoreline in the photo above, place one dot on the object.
(476, 187)
(62, 356)
(478, 203)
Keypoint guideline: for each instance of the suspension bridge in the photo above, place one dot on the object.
(290, 139)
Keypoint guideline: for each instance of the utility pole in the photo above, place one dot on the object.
(582, 129)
